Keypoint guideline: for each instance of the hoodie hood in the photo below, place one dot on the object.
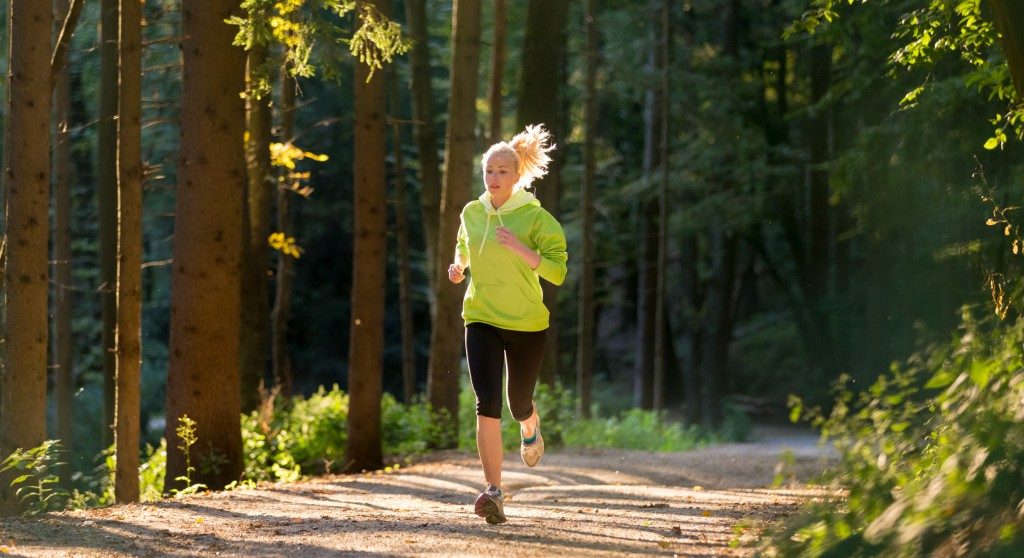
(520, 197)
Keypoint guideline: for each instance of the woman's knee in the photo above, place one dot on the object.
(488, 408)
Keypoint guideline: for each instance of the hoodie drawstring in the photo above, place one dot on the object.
(487, 229)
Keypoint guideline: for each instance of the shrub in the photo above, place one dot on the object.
(932, 457)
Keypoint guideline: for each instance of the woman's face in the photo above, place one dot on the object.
(500, 175)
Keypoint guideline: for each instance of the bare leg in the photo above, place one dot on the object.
(488, 444)
(529, 426)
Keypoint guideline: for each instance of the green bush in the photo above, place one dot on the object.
(932, 457)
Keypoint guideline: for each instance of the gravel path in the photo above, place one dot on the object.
(708, 502)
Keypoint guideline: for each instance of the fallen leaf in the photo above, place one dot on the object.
(698, 487)
(199, 520)
(677, 531)
(410, 541)
(664, 544)
(706, 513)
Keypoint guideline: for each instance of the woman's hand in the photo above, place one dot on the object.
(509, 240)
(455, 273)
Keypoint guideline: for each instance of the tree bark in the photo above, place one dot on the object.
(281, 357)
(63, 345)
(460, 144)
(1009, 20)
(718, 331)
(203, 378)
(25, 277)
(540, 101)
(426, 135)
(128, 340)
(257, 210)
(585, 338)
(494, 96)
(106, 188)
(70, 13)
(661, 337)
(369, 267)
(645, 384)
(404, 258)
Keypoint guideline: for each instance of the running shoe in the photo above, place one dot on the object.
(532, 448)
(490, 505)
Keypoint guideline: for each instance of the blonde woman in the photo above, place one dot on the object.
(508, 242)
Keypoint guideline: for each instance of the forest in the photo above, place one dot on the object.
(227, 225)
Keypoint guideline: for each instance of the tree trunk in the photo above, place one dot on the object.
(426, 136)
(128, 339)
(26, 214)
(106, 188)
(70, 12)
(817, 280)
(403, 259)
(540, 101)
(494, 95)
(585, 338)
(644, 382)
(718, 331)
(460, 144)
(203, 378)
(661, 338)
(1009, 20)
(369, 267)
(282, 313)
(257, 208)
(63, 345)
(692, 339)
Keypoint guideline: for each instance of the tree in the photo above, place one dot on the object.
(203, 376)
(257, 210)
(1009, 19)
(281, 362)
(460, 142)
(426, 133)
(494, 94)
(26, 205)
(63, 345)
(369, 267)
(585, 339)
(662, 335)
(106, 192)
(540, 101)
(129, 252)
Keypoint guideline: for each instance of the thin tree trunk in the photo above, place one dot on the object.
(719, 304)
(128, 339)
(585, 339)
(403, 260)
(257, 208)
(661, 338)
(494, 95)
(644, 383)
(540, 101)
(106, 188)
(369, 271)
(63, 345)
(203, 378)
(26, 205)
(70, 12)
(1009, 20)
(426, 135)
(692, 340)
(282, 361)
(460, 144)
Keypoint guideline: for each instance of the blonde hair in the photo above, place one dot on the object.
(529, 149)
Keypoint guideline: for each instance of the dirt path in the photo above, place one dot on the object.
(709, 502)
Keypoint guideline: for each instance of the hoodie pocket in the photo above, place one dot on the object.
(504, 303)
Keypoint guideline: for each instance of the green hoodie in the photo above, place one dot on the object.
(503, 291)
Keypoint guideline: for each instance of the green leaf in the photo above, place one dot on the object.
(940, 380)
(992, 143)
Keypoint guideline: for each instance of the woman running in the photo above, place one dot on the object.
(509, 242)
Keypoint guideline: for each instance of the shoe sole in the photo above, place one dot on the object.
(488, 509)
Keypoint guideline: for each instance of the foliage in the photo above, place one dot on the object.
(36, 483)
(297, 25)
(186, 432)
(932, 456)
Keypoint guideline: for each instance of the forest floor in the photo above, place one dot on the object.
(713, 501)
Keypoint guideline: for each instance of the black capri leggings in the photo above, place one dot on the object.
(488, 348)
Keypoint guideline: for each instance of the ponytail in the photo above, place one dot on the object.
(529, 149)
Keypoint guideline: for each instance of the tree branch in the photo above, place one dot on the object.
(60, 52)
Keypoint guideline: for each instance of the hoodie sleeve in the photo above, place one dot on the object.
(462, 242)
(550, 242)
